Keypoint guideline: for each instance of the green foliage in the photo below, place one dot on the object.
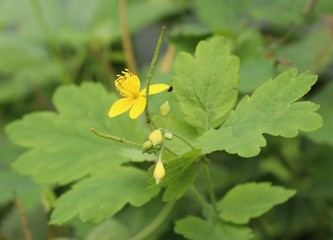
(88, 187)
(206, 98)
(66, 159)
(102, 195)
(271, 109)
(318, 50)
(324, 98)
(251, 200)
(13, 184)
(107, 229)
(221, 14)
(196, 228)
(255, 67)
(280, 12)
(181, 173)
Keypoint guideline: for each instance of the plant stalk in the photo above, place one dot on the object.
(114, 138)
(150, 228)
(150, 76)
(211, 191)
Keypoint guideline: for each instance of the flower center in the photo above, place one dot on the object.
(128, 84)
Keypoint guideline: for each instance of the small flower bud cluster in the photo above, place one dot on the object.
(154, 143)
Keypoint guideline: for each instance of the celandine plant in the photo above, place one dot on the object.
(106, 176)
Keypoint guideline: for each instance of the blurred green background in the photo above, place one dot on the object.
(45, 44)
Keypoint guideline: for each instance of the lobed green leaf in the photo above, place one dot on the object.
(250, 200)
(205, 85)
(103, 195)
(271, 109)
(61, 148)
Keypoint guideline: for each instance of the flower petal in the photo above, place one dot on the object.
(155, 88)
(120, 106)
(138, 107)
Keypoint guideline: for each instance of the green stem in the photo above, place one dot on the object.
(150, 228)
(150, 76)
(201, 200)
(41, 21)
(160, 154)
(114, 138)
(211, 190)
(183, 139)
(170, 151)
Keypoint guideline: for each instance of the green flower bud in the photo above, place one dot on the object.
(165, 109)
(168, 135)
(156, 137)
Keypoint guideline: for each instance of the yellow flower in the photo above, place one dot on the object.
(159, 172)
(128, 85)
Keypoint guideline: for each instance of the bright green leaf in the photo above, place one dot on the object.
(61, 147)
(250, 200)
(271, 109)
(205, 85)
(195, 228)
(103, 195)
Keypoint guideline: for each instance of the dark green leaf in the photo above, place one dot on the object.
(195, 228)
(324, 98)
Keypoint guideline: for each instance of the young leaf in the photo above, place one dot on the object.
(195, 228)
(251, 200)
(61, 147)
(205, 85)
(103, 195)
(271, 109)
